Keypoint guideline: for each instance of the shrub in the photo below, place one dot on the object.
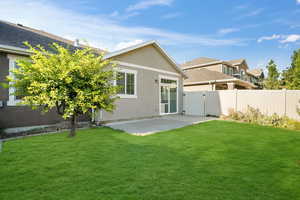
(255, 116)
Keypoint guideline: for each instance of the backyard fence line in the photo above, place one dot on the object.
(282, 102)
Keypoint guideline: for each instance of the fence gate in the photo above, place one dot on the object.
(194, 103)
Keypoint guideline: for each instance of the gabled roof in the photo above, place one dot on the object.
(141, 45)
(237, 61)
(256, 72)
(199, 61)
(14, 36)
(206, 76)
(202, 74)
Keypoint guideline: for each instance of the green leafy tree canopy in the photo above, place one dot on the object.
(291, 76)
(272, 81)
(72, 81)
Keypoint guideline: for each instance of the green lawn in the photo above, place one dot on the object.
(212, 160)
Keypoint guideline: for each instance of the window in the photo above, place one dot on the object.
(126, 79)
(227, 70)
(13, 100)
(168, 81)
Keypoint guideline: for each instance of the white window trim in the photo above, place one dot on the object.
(12, 101)
(159, 93)
(128, 96)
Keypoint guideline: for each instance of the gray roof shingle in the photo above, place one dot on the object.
(15, 35)
(202, 75)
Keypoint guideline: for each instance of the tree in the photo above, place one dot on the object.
(272, 81)
(72, 81)
(291, 76)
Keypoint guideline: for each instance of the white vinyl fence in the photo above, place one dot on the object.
(282, 102)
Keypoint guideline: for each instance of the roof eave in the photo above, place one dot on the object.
(220, 81)
(16, 50)
(151, 42)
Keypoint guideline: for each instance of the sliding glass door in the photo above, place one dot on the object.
(168, 96)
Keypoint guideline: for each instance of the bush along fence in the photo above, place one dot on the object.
(254, 116)
(221, 102)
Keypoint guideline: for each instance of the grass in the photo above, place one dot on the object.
(212, 160)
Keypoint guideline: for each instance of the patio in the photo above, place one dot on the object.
(164, 123)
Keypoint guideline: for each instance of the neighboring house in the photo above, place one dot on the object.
(257, 77)
(212, 74)
(152, 82)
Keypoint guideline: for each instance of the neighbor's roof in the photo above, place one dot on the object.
(255, 72)
(237, 61)
(199, 61)
(14, 36)
(202, 74)
(203, 61)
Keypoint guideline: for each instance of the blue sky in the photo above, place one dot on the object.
(257, 30)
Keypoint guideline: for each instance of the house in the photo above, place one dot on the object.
(152, 81)
(213, 74)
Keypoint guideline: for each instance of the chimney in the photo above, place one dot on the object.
(76, 43)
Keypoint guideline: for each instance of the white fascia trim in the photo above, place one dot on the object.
(170, 59)
(218, 81)
(116, 53)
(12, 49)
(206, 64)
(209, 82)
(154, 42)
(146, 68)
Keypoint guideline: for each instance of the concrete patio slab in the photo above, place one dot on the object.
(154, 125)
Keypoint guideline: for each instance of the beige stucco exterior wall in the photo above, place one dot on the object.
(148, 56)
(148, 92)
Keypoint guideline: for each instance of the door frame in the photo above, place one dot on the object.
(159, 93)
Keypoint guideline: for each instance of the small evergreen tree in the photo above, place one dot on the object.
(291, 76)
(272, 80)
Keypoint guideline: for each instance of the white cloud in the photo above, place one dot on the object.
(241, 7)
(123, 45)
(144, 4)
(281, 38)
(99, 30)
(298, 1)
(273, 37)
(291, 38)
(171, 15)
(225, 31)
(252, 13)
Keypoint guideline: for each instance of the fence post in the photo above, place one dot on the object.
(235, 93)
(204, 102)
(284, 90)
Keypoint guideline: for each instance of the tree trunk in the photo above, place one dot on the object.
(73, 126)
